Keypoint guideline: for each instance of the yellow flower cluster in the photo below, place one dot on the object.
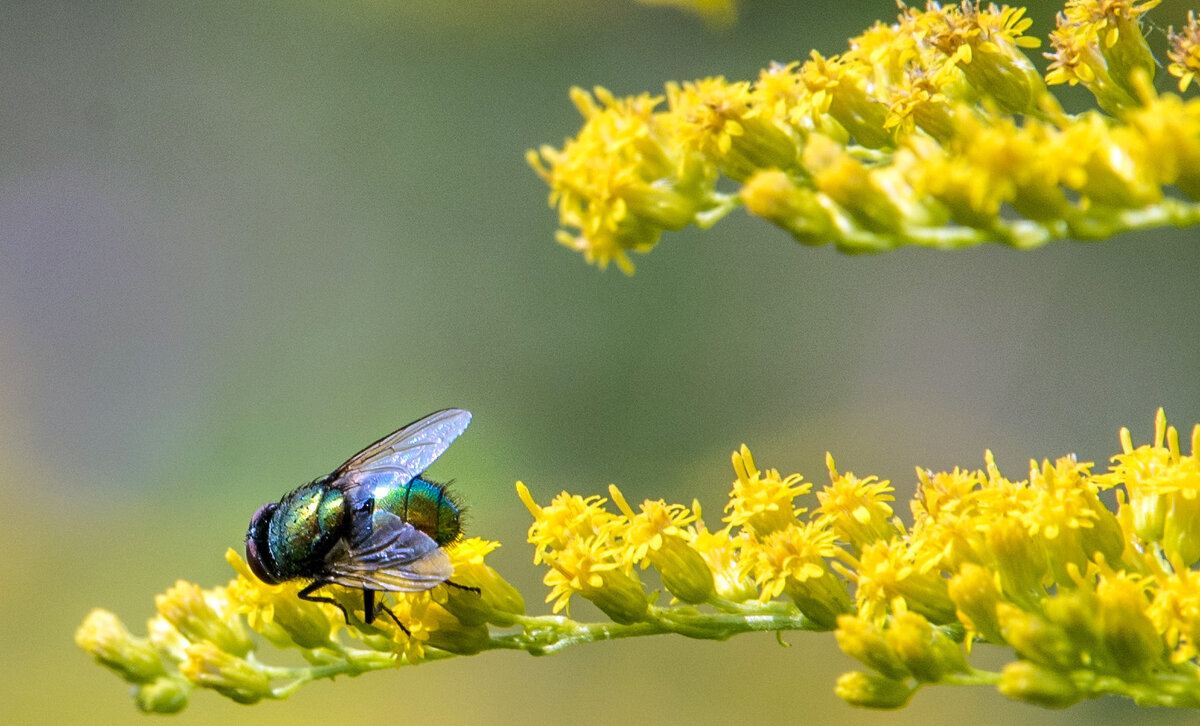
(932, 131)
(202, 637)
(1092, 601)
(717, 13)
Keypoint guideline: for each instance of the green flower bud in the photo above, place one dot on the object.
(761, 145)
(304, 622)
(165, 695)
(1129, 636)
(1075, 613)
(684, 572)
(105, 637)
(864, 642)
(619, 596)
(1181, 528)
(495, 602)
(1025, 681)
(1019, 560)
(233, 677)
(867, 690)
(186, 607)
(925, 652)
(460, 639)
(822, 599)
(976, 595)
(772, 195)
(1036, 639)
(659, 206)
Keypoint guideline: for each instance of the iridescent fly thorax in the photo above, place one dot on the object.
(309, 520)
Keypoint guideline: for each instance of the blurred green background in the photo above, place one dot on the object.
(240, 240)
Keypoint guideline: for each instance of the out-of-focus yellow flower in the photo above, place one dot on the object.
(1032, 683)
(868, 690)
(717, 13)
(930, 131)
(201, 615)
(105, 637)
(1185, 52)
(1099, 43)
(975, 593)
(1175, 610)
(210, 666)
(1163, 489)
(864, 641)
(924, 650)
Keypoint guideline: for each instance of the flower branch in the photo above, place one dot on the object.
(1091, 602)
(937, 131)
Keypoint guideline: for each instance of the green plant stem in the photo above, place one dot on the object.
(1023, 233)
(548, 634)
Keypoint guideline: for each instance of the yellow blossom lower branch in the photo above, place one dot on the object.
(937, 131)
(1091, 602)
(164, 669)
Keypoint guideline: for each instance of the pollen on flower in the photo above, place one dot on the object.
(568, 517)
(899, 575)
(793, 562)
(620, 180)
(856, 509)
(594, 569)
(1108, 33)
(795, 554)
(647, 529)
(762, 501)
(727, 560)
(728, 123)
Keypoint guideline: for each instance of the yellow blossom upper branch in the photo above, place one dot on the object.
(937, 130)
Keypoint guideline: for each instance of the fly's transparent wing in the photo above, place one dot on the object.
(409, 450)
(389, 555)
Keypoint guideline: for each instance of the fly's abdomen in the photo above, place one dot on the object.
(427, 506)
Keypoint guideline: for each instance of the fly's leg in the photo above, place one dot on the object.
(307, 594)
(468, 588)
(371, 610)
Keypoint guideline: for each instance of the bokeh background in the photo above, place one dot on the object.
(240, 240)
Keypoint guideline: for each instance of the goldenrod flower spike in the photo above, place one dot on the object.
(1090, 602)
(928, 132)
